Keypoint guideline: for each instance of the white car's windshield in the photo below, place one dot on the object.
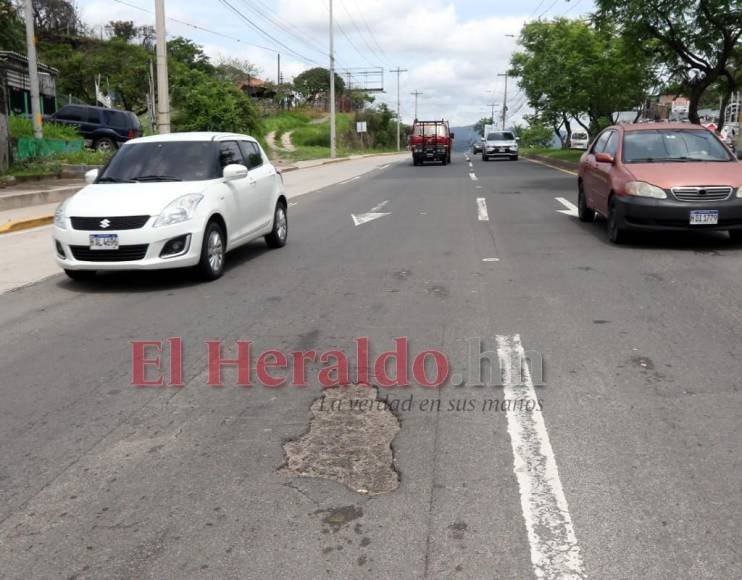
(163, 161)
(500, 137)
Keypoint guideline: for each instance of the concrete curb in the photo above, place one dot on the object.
(551, 162)
(40, 197)
(15, 201)
(338, 160)
(26, 224)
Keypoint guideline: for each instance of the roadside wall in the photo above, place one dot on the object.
(4, 144)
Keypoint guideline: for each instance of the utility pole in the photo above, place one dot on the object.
(505, 101)
(416, 94)
(163, 90)
(333, 130)
(398, 71)
(278, 76)
(33, 72)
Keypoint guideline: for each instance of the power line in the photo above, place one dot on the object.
(575, 5)
(284, 27)
(370, 32)
(345, 34)
(540, 4)
(267, 34)
(358, 30)
(549, 8)
(200, 28)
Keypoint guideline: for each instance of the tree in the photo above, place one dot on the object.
(696, 38)
(54, 17)
(479, 125)
(236, 69)
(122, 29)
(535, 134)
(570, 69)
(189, 53)
(315, 82)
(123, 66)
(202, 102)
(12, 35)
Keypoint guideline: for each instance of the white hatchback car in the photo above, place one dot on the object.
(172, 201)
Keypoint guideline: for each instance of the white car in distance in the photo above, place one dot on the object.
(172, 201)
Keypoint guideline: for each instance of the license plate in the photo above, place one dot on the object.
(704, 217)
(104, 241)
(501, 149)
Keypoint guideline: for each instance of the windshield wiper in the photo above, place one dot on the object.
(156, 178)
(113, 180)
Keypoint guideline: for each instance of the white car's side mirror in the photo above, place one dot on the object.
(234, 171)
(91, 176)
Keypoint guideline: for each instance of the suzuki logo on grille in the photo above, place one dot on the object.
(105, 223)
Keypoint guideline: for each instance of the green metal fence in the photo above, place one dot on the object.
(30, 148)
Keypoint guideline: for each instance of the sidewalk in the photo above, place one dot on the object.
(28, 255)
(31, 204)
(34, 193)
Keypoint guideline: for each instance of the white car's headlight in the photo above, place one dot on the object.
(179, 210)
(642, 189)
(60, 219)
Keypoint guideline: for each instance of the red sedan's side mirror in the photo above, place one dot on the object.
(604, 158)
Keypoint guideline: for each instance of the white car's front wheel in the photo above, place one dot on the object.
(211, 265)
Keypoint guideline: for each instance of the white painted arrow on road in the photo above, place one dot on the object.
(370, 216)
(571, 208)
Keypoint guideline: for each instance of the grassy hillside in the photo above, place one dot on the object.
(311, 137)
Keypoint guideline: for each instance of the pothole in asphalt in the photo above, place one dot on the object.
(349, 441)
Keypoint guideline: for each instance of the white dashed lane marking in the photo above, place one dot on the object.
(482, 210)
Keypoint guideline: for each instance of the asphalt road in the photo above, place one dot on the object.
(636, 451)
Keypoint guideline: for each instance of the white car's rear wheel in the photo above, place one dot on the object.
(280, 232)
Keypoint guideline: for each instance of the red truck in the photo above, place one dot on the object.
(431, 141)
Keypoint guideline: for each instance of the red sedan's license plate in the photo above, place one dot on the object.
(104, 241)
(704, 217)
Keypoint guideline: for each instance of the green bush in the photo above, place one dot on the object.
(23, 127)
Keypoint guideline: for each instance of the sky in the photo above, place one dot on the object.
(453, 50)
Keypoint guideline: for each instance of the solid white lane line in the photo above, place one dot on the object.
(571, 208)
(292, 204)
(482, 210)
(555, 554)
(473, 176)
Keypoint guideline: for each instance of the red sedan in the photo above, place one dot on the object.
(661, 176)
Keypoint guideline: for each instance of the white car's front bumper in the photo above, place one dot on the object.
(132, 253)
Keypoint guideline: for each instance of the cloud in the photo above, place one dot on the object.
(454, 60)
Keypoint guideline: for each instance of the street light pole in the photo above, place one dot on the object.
(33, 72)
(416, 94)
(399, 106)
(333, 129)
(163, 90)
(505, 101)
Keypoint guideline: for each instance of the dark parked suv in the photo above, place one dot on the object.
(104, 129)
